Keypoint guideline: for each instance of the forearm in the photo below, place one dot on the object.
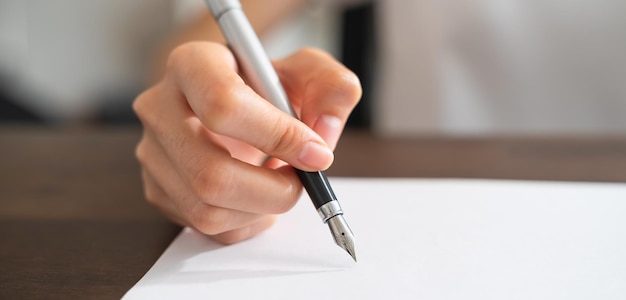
(263, 14)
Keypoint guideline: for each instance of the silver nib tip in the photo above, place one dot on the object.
(342, 234)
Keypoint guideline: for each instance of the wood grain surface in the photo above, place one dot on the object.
(74, 225)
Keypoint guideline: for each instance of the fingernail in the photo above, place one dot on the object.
(316, 156)
(329, 128)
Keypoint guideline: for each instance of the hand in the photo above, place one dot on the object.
(206, 135)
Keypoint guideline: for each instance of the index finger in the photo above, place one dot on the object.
(206, 73)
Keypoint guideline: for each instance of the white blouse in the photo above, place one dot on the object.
(501, 66)
(62, 57)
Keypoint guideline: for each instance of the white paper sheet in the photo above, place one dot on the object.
(418, 239)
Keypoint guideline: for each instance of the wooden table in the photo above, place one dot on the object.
(74, 225)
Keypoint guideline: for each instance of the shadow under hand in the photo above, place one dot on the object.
(194, 258)
(209, 277)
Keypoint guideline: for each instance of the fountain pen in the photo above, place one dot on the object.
(251, 57)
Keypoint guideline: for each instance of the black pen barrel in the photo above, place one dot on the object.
(317, 186)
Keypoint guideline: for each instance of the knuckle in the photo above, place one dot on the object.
(221, 105)
(312, 52)
(345, 83)
(211, 221)
(152, 192)
(141, 153)
(205, 185)
(353, 86)
(179, 55)
(290, 193)
(145, 106)
(138, 103)
(231, 237)
(211, 183)
(141, 104)
(185, 58)
(151, 195)
(292, 196)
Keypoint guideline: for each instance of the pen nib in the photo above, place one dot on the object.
(342, 234)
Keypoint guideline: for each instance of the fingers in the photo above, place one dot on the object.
(243, 233)
(205, 73)
(324, 89)
(205, 132)
(210, 173)
(155, 195)
(240, 231)
(213, 220)
(165, 186)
